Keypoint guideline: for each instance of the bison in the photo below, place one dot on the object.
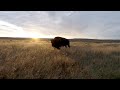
(58, 42)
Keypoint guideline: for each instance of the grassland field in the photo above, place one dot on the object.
(37, 59)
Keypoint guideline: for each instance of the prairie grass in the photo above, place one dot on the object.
(27, 59)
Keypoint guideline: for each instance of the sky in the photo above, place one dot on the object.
(68, 24)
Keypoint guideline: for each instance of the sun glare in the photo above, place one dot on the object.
(33, 35)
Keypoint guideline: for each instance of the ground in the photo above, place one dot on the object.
(37, 59)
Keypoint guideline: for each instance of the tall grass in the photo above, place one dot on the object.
(25, 59)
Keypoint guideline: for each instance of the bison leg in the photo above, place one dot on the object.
(69, 46)
(58, 47)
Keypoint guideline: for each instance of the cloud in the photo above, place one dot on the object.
(87, 24)
(9, 26)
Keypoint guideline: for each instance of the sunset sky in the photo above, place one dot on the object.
(69, 24)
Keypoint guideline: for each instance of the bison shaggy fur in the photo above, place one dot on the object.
(58, 42)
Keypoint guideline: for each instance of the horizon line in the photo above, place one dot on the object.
(68, 38)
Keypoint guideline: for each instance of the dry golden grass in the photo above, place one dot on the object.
(25, 59)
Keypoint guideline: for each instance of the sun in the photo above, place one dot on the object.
(34, 36)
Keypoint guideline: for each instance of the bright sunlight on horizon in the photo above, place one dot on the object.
(11, 30)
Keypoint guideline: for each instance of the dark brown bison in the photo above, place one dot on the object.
(58, 42)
